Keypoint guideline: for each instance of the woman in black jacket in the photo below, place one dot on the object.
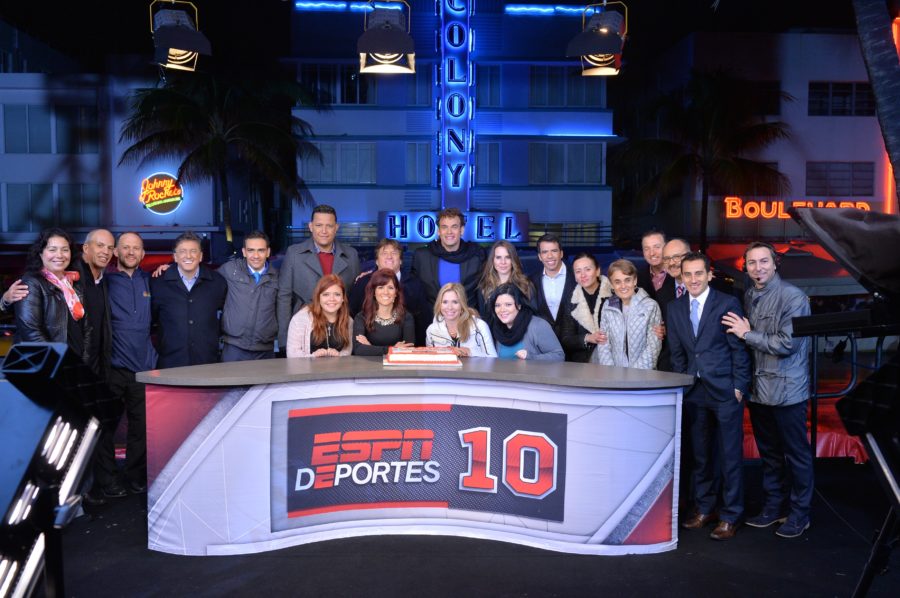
(53, 310)
(580, 329)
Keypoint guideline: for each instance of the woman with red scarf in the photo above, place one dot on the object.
(53, 310)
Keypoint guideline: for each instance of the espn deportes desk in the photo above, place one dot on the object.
(259, 455)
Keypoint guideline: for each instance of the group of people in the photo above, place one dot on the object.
(662, 316)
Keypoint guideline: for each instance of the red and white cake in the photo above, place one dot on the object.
(427, 356)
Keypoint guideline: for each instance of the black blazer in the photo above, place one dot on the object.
(187, 321)
(96, 305)
(719, 359)
(543, 309)
(664, 296)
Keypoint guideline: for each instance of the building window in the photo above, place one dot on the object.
(487, 163)
(77, 130)
(487, 86)
(840, 99)
(26, 129)
(565, 163)
(342, 163)
(79, 204)
(840, 179)
(421, 86)
(29, 206)
(339, 83)
(564, 86)
(418, 163)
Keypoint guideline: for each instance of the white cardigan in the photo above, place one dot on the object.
(479, 344)
(298, 335)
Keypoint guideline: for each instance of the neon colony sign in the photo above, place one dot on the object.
(735, 207)
(455, 108)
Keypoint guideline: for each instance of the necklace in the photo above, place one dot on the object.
(386, 321)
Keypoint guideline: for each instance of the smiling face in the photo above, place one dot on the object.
(331, 300)
(256, 251)
(672, 254)
(389, 257)
(450, 307)
(450, 233)
(99, 249)
(188, 257)
(324, 228)
(502, 262)
(695, 276)
(760, 265)
(386, 294)
(130, 251)
(623, 285)
(587, 275)
(56, 255)
(551, 256)
(506, 309)
(652, 246)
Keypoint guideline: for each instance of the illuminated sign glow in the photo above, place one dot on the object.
(161, 193)
(735, 207)
(455, 109)
(481, 227)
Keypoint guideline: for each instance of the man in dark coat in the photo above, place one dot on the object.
(449, 259)
(553, 284)
(186, 305)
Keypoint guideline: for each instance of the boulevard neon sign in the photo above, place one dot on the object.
(735, 207)
(161, 193)
(455, 108)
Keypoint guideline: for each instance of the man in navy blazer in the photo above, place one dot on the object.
(714, 405)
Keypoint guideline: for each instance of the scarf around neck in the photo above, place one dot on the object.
(466, 250)
(511, 336)
(65, 285)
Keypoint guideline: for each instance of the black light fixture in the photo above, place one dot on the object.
(51, 409)
(385, 45)
(600, 43)
(176, 36)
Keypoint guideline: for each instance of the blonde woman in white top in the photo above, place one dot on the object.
(458, 326)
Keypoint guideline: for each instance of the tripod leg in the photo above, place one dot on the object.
(878, 557)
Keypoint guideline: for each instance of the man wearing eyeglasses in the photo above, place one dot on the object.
(187, 303)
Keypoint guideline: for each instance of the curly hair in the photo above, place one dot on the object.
(370, 305)
(33, 261)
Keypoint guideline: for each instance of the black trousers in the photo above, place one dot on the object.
(132, 395)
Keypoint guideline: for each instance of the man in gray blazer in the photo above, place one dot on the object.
(305, 263)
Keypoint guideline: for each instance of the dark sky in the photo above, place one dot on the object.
(259, 29)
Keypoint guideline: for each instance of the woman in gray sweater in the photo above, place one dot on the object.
(517, 332)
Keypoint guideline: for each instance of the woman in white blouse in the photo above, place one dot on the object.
(457, 325)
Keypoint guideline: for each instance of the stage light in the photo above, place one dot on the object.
(51, 407)
(176, 37)
(600, 43)
(385, 45)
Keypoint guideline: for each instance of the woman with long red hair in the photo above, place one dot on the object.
(323, 328)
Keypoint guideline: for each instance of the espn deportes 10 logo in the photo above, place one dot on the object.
(385, 457)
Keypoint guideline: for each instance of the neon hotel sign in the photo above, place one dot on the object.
(736, 208)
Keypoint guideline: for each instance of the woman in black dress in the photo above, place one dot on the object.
(383, 321)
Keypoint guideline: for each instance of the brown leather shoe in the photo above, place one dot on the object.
(724, 531)
(698, 521)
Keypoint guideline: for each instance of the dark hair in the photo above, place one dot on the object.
(694, 256)
(489, 277)
(187, 236)
(257, 234)
(652, 232)
(323, 208)
(33, 261)
(513, 291)
(451, 213)
(370, 306)
(547, 238)
(319, 321)
(590, 256)
(757, 245)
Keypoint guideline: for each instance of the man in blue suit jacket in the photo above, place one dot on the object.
(714, 405)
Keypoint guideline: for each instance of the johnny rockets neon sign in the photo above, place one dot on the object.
(455, 108)
(161, 193)
(735, 207)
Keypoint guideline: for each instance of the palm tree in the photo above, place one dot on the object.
(706, 133)
(873, 25)
(215, 124)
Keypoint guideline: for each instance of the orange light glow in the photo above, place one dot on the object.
(735, 207)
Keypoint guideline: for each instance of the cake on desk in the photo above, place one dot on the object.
(422, 356)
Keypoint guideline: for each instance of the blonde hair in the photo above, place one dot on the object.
(467, 316)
